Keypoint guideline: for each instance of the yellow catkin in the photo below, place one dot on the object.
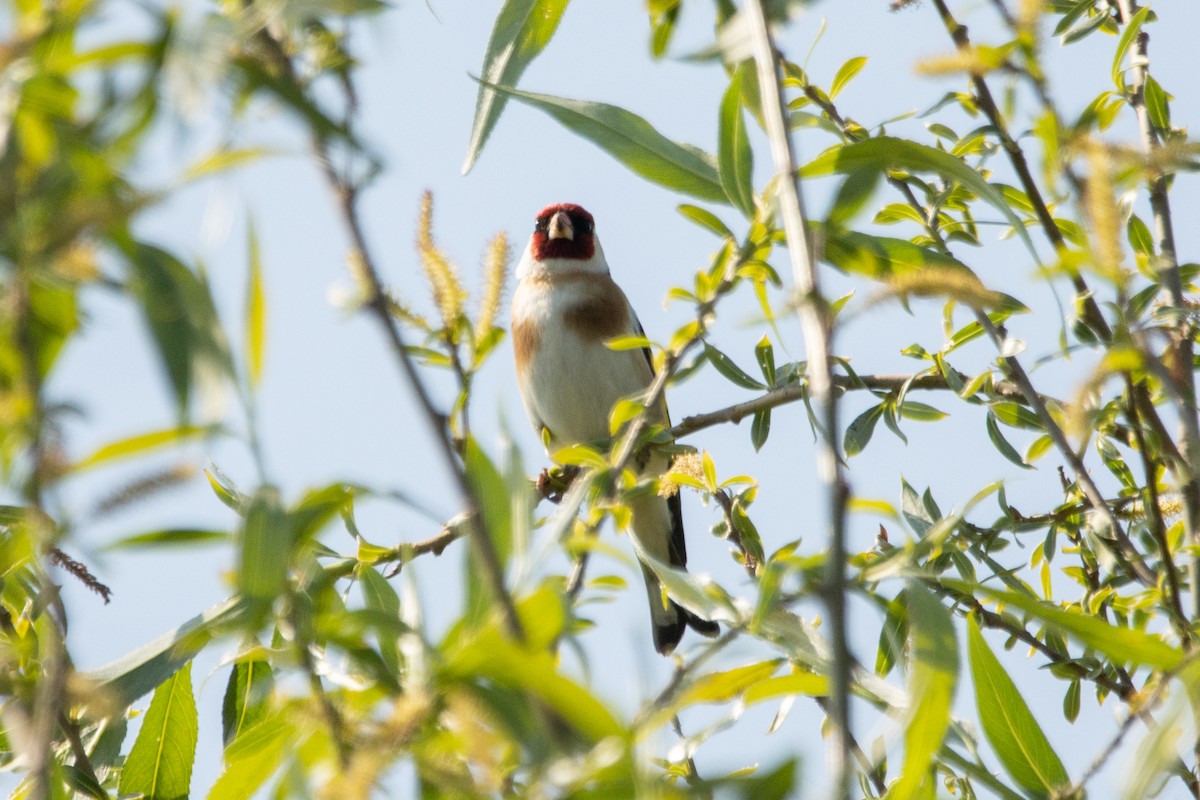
(955, 284)
(1028, 14)
(495, 275)
(689, 465)
(1101, 203)
(971, 62)
(448, 291)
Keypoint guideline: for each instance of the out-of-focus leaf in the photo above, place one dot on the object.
(522, 30)
(931, 685)
(266, 548)
(54, 316)
(881, 257)
(495, 509)
(118, 684)
(159, 766)
(183, 322)
(143, 443)
(634, 142)
(380, 596)
(253, 758)
(223, 160)
(256, 310)
(250, 684)
(488, 654)
(170, 537)
(735, 159)
(1009, 725)
(721, 687)
(882, 153)
(852, 196)
(1124, 645)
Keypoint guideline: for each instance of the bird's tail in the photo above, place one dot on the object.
(658, 528)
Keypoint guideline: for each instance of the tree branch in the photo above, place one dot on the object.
(346, 196)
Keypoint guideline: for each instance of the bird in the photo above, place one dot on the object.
(565, 309)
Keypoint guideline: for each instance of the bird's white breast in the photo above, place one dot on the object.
(571, 379)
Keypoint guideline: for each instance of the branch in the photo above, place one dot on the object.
(817, 327)
(1160, 207)
(346, 196)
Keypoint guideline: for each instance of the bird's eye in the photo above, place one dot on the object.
(586, 225)
(541, 224)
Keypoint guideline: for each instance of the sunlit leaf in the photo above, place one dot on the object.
(159, 766)
(521, 31)
(634, 142)
(1008, 723)
(735, 159)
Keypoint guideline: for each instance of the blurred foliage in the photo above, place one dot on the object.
(334, 678)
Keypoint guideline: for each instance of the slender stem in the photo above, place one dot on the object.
(346, 195)
(818, 333)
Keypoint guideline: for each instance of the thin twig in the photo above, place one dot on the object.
(346, 196)
(818, 332)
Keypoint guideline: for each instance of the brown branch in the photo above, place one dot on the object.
(80, 572)
(346, 196)
(793, 392)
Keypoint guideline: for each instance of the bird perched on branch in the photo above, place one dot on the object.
(566, 307)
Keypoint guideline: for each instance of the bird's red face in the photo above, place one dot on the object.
(564, 230)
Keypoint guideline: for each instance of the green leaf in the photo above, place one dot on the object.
(881, 257)
(921, 412)
(1125, 645)
(522, 30)
(495, 508)
(883, 153)
(1139, 236)
(852, 196)
(266, 548)
(1157, 105)
(250, 684)
(731, 371)
(705, 219)
(170, 537)
(379, 596)
(159, 766)
(253, 757)
(143, 443)
(128, 678)
(721, 687)
(735, 159)
(764, 353)
(178, 308)
(859, 432)
(1001, 444)
(632, 141)
(1127, 37)
(256, 310)
(1009, 725)
(931, 684)
(760, 428)
(224, 159)
(845, 74)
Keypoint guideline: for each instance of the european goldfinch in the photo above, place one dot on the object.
(566, 307)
